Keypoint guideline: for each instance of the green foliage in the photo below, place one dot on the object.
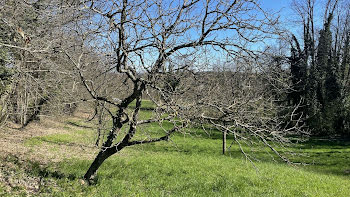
(298, 70)
(3, 191)
(171, 82)
(322, 82)
(328, 121)
(345, 115)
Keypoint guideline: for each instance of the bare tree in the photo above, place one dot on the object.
(165, 51)
(195, 60)
(33, 36)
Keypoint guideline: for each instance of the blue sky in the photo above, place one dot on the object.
(275, 4)
(283, 6)
(289, 17)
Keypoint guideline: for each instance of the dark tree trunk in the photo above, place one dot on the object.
(99, 111)
(224, 142)
(100, 158)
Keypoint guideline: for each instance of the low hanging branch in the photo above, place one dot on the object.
(158, 48)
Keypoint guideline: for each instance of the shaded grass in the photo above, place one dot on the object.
(332, 157)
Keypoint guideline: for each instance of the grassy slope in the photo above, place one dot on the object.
(193, 166)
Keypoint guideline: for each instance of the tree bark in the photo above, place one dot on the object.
(99, 111)
(100, 158)
(224, 142)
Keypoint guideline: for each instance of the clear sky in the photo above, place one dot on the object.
(288, 17)
(283, 6)
(275, 4)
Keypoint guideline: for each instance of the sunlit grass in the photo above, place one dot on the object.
(82, 136)
(145, 105)
(177, 174)
(192, 165)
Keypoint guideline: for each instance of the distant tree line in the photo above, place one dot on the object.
(319, 66)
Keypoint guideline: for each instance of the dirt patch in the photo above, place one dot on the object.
(83, 113)
(15, 174)
(19, 177)
(12, 141)
(13, 177)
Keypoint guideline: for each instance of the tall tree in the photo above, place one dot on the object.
(157, 48)
(325, 69)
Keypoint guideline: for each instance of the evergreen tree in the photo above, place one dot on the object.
(321, 76)
(298, 72)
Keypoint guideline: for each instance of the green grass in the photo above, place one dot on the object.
(145, 105)
(3, 191)
(81, 136)
(176, 174)
(195, 175)
(193, 166)
(328, 157)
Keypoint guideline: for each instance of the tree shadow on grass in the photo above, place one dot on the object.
(46, 173)
(328, 156)
(34, 168)
(73, 123)
(326, 143)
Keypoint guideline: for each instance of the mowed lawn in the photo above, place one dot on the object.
(188, 165)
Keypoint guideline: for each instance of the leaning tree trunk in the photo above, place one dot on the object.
(104, 154)
(99, 111)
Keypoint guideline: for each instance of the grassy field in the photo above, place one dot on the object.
(186, 166)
